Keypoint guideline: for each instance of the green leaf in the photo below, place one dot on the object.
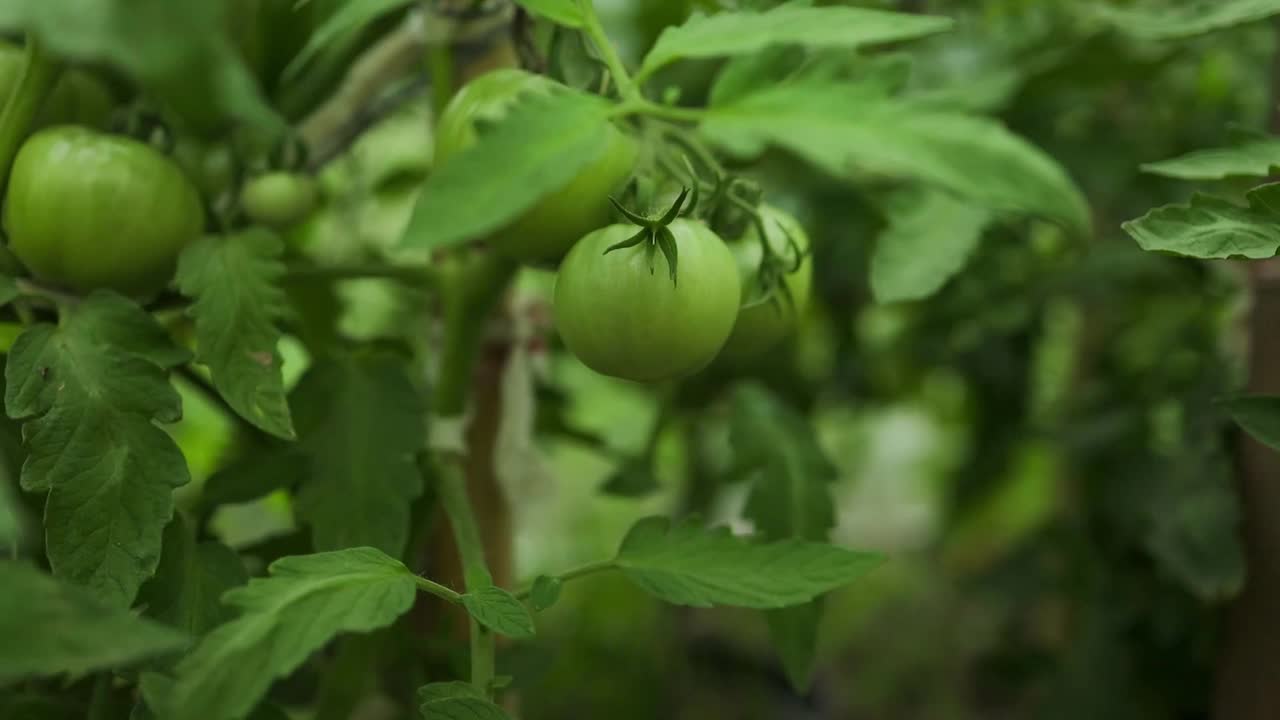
(50, 628)
(561, 12)
(540, 146)
(690, 565)
(853, 132)
(1253, 158)
(790, 498)
(237, 305)
(255, 475)
(1258, 415)
(1185, 19)
(90, 391)
(304, 604)
(171, 47)
(545, 592)
(8, 290)
(930, 237)
(351, 16)
(187, 589)
(742, 33)
(1213, 228)
(499, 611)
(456, 701)
(360, 423)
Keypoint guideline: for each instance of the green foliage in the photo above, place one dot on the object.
(190, 580)
(686, 564)
(90, 391)
(562, 12)
(51, 628)
(1212, 228)
(305, 602)
(456, 701)
(930, 237)
(1251, 158)
(1259, 416)
(1185, 19)
(499, 611)
(237, 304)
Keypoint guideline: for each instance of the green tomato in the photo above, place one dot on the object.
(77, 98)
(279, 199)
(85, 210)
(622, 316)
(546, 231)
(762, 326)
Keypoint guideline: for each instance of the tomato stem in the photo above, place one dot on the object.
(590, 568)
(452, 490)
(39, 74)
(627, 87)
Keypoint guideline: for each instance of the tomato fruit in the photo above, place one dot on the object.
(278, 199)
(77, 97)
(211, 167)
(87, 210)
(763, 325)
(621, 314)
(550, 228)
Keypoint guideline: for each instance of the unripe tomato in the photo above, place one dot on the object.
(212, 168)
(86, 210)
(764, 325)
(550, 228)
(278, 199)
(77, 97)
(621, 314)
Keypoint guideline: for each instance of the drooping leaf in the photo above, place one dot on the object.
(930, 237)
(233, 281)
(852, 131)
(691, 565)
(1184, 19)
(360, 425)
(562, 12)
(540, 146)
(255, 475)
(1259, 415)
(545, 592)
(456, 701)
(744, 32)
(350, 16)
(90, 391)
(1252, 158)
(790, 499)
(1212, 228)
(171, 47)
(187, 589)
(284, 618)
(51, 628)
(499, 611)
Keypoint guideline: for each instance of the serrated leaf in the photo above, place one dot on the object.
(1258, 415)
(561, 12)
(171, 47)
(1253, 158)
(540, 145)
(1186, 19)
(499, 611)
(90, 391)
(447, 691)
(790, 498)
(305, 603)
(237, 303)
(854, 132)
(462, 708)
(1212, 228)
(360, 424)
(691, 565)
(187, 589)
(545, 592)
(744, 32)
(50, 628)
(350, 16)
(930, 237)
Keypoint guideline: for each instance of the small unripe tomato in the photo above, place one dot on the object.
(279, 199)
(763, 325)
(86, 210)
(621, 314)
(547, 230)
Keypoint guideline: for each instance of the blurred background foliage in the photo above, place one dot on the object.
(1036, 446)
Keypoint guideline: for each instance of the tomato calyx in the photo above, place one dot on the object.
(771, 276)
(654, 233)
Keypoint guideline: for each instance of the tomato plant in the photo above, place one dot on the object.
(86, 210)
(622, 316)
(465, 358)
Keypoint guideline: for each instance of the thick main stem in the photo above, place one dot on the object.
(39, 74)
(466, 533)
